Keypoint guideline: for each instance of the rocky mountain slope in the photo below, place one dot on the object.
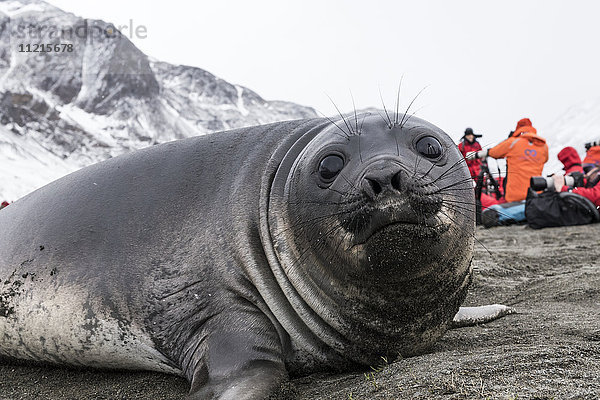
(63, 110)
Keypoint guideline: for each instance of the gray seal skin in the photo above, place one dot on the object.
(236, 258)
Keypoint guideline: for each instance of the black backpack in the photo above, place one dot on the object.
(559, 209)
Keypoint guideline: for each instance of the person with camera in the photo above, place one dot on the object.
(562, 184)
(469, 144)
(564, 200)
(525, 153)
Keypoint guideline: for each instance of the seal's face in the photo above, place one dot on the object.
(367, 198)
(380, 224)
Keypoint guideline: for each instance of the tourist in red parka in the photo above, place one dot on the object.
(592, 194)
(570, 159)
(469, 143)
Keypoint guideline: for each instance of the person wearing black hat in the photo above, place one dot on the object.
(468, 144)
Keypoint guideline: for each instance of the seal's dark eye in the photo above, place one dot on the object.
(330, 166)
(430, 147)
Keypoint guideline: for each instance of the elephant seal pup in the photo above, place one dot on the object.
(237, 257)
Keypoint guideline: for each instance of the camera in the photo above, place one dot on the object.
(574, 179)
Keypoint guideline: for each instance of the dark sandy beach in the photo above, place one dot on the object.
(550, 349)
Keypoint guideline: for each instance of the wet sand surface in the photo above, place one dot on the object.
(550, 349)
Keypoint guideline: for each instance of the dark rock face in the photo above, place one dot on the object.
(105, 97)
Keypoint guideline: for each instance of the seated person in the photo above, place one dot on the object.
(590, 193)
(570, 159)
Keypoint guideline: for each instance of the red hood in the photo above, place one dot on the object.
(523, 122)
(569, 157)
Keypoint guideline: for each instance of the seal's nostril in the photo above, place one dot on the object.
(396, 181)
(374, 185)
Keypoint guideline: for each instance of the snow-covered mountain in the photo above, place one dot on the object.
(580, 124)
(60, 111)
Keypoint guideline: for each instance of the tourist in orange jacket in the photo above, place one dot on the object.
(592, 157)
(525, 153)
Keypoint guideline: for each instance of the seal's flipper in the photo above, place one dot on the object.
(469, 316)
(239, 358)
(253, 381)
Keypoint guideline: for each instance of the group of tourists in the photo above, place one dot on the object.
(526, 153)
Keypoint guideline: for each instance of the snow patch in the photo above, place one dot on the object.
(240, 101)
(26, 165)
(92, 123)
(13, 8)
(11, 67)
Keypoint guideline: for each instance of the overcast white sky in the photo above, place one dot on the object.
(486, 64)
